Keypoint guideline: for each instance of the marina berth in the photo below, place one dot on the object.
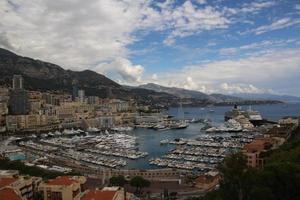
(88, 149)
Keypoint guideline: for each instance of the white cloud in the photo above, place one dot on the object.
(70, 33)
(260, 47)
(253, 7)
(154, 77)
(122, 70)
(82, 34)
(241, 88)
(252, 74)
(297, 7)
(256, 6)
(201, 1)
(186, 20)
(190, 84)
(276, 25)
(228, 51)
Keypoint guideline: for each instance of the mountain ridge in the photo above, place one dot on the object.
(267, 96)
(185, 93)
(45, 76)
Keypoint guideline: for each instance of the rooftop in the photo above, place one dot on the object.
(6, 181)
(62, 180)
(8, 193)
(257, 145)
(99, 195)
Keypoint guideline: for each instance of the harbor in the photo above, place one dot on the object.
(190, 148)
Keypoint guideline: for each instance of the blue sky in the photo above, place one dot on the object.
(224, 46)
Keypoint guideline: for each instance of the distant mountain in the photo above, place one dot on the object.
(265, 96)
(47, 76)
(44, 76)
(184, 93)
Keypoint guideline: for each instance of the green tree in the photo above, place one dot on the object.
(233, 172)
(139, 183)
(278, 180)
(117, 181)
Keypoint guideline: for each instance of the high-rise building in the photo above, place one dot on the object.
(74, 92)
(18, 82)
(81, 96)
(18, 101)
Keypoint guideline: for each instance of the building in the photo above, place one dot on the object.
(10, 194)
(13, 186)
(51, 99)
(81, 96)
(74, 92)
(117, 105)
(63, 188)
(101, 195)
(15, 122)
(93, 100)
(294, 121)
(4, 95)
(18, 98)
(253, 151)
(108, 193)
(101, 122)
(3, 112)
(18, 82)
(18, 102)
(207, 181)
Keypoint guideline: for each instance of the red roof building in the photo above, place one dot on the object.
(100, 195)
(9, 194)
(6, 181)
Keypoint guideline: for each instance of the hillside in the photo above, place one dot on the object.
(265, 96)
(44, 76)
(190, 94)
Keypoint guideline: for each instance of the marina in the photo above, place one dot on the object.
(190, 148)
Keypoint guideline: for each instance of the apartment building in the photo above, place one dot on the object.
(63, 188)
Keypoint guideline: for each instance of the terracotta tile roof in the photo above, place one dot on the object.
(257, 145)
(8, 193)
(62, 180)
(6, 181)
(99, 195)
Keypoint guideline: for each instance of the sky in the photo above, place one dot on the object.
(213, 46)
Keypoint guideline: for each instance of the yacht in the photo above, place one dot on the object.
(122, 129)
(93, 129)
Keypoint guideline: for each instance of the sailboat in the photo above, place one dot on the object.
(182, 123)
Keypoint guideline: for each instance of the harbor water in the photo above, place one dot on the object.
(149, 140)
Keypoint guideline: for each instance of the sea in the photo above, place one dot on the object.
(149, 140)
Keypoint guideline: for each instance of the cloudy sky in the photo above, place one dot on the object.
(225, 46)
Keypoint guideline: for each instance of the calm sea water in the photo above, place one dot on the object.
(149, 140)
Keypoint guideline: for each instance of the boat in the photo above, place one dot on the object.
(166, 141)
(182, 125)
(93, 129)
(122, 129)
(159, 126)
